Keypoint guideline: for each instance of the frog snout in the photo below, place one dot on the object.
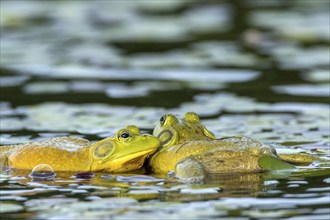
(147, 135)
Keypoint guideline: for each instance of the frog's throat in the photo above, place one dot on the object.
(132, 156)
(113, 164)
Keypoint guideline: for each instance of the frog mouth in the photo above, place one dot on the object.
(133, 161)
(139, 160)
(133, 156)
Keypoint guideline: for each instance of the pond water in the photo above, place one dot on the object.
(88, 68)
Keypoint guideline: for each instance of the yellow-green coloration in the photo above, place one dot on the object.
(190, 150)
(172, 130)
(227, 155)
(126, 151)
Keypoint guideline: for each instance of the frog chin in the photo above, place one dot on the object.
(133, 164)
(127, 162)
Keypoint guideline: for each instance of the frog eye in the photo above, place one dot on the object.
(162, 119)
(169, 120)
(125, 135)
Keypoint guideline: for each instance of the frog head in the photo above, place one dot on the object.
(125, 151)
(172, 130)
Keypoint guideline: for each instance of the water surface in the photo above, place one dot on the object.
(86, 69)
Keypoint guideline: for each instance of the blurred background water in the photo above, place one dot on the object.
(87, 68)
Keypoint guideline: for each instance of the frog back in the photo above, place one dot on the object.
(62, 153)
(240, 153)
(234, 155)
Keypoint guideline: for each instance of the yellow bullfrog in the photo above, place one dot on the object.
(189, 149)
(125, 151)
(172, 130)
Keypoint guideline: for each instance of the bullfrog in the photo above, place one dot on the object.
(123, 152)
(172, 130)
(190, 149)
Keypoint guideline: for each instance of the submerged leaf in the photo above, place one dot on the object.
(270, 163)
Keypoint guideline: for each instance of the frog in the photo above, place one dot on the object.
(172, 130)
(123, 152)
(190, 150)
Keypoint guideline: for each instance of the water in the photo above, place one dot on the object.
(87, 69)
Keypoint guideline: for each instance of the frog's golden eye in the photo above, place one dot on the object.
(168, 120)
(124, 135)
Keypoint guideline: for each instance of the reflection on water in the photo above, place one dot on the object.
(133, 194)
(83, 68)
